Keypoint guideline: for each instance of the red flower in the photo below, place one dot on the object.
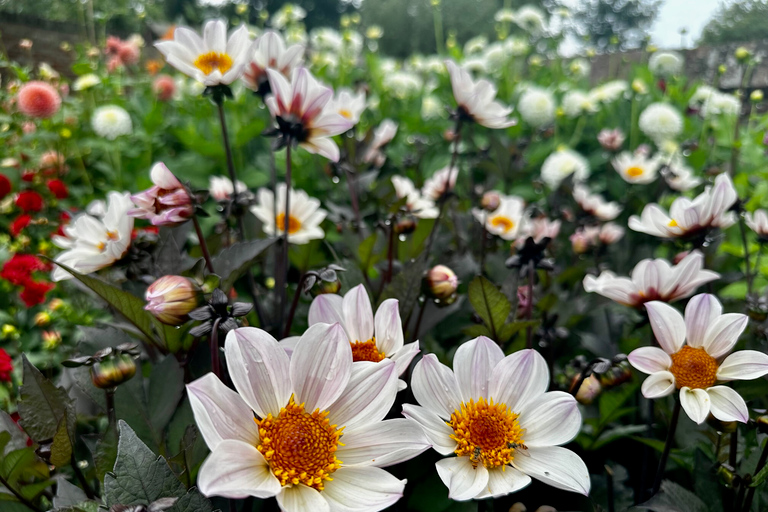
(19, 223)
(28, 175)
(58, 189)
(64, 218)
(6, 366)
(29, 201)
(34, 292)
(18, 270)
(5, 186)
(38, 99)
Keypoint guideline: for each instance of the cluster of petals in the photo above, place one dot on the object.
(636, 168)
(416, 202)
(538, 229)
(587, 237)
(477, 99)
(270, 52)
(594, 204)
(506, 221)
(653, 279)
(440, 183)
(20, 270)
(342, 405)
(166, 203)
(514, 386)
(38, 99)
(710, 209)
(304, 217)
(221, 188)
(694, 357)
(382, 135)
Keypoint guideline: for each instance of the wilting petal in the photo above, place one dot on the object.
(383, 443)
(321, 366)
(722, 334)
(437, 431)
(368, 397)
(658, 384)
(389, 327)
(518, 378)
(668, 325)
(220, 413)
(504, 481)
(551, 419)
(696, 403)
(463, 481)
(237, 470)
(435, 387)
(556, 466)
(727, 405)
(743, 365)
(650, 360)
(473, 364)
(300, 498)
(360, 489)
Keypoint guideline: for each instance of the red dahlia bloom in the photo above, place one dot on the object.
(19, 223)
(5, 186)
(6, 366)
(58, 188)
(29, 201)
(34, 292)
(18, 270)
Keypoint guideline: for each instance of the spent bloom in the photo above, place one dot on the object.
(38, 99)
(611, 140)
(594, 204)
(440, 183)
(494, 413)
(166, 203)
(212, 59)
(693, 358)
(476, 100)
(687, 217)
(661, 122)
(373, 338)
(653, 280)
(636, 167)
(537, 107)
(304, 217)
(270, 52)
(111, 121)
(506, 221)
(561, 164)
(308, 430)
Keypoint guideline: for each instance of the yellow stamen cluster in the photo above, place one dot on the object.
(207, 62)
(634, 172)
(488, 433)
(345, 113)
(294, 224)
(504, 223)
(300, 447)
(694, 368)
(673, 223)
(366, 351)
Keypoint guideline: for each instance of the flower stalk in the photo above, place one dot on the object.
(667, 445)
(203, 245)
(219, 100)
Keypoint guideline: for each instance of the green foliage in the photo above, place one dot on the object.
(614, 24)
(737, 22)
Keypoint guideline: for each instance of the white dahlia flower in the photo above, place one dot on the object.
(111, 122)
(666, 63)
(304, 218)
(561, 164)
(661, 122)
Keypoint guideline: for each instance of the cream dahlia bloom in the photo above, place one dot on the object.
(375, 338)
(304, 217)
(594, 204)
(477, 99)
(269, 52)
(561, 164)
(692, 358)
(609, 92)
(212, 59)
(665, 63)
(93, 243)
(576, 103)
(710, 209)
(415, 202)
(308, 430)
(636, 167)
(653, 280)
(719, 103)
(537, 107)
(660, 122)
(506, 221)
(495, 414)
(86, 82)
(111, 121)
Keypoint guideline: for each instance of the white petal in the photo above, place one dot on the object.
(650, 359)
(362, 489)
(504, 480)
(368, 396)
(383, 443)
(696, 403)
(701, 311)
(437, 431)
(326, 309)
(321, 365)
(551, 419)
(727, 405)
(434, 386)
(220, 413)
(289, 344)
(300, 498)
(556, 466)
(389, 327)
(743, 365)
(473, 364)
(358, 314)
(668, 325)
(404, 356)
(236, 470)
(723, 333)
(518, 378)
(658, 384)
(259, 369)
(463, 481)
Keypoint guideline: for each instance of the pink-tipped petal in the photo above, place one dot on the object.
(388, 327)
(722, 334)
(504, 480)
(556, 466)
(361, 488)
(668, 325)
(368, 397)
(300, 498)
(358, 314)
(551, 419)
(658, 384)
(383, 443)
(326, 309)
(650, 360)
(437, 431)
(727, 405)
(743, 365)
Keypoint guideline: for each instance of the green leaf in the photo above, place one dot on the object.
(232, 262)
(365, 251)
(613, 434)
(512, 328)
(166, 386)
(43, 406)
(68, 495)
(474, 331)
(16, 462)
(761, 475)
(488, 301)
(61, 449)
(674, 498)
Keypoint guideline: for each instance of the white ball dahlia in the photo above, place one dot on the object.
(111, 121)
(537, 107)
(666, 63)
(661, 122)
(561, 164)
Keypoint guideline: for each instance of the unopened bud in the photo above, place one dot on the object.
(722, 68)
(589, 390)
(762, 424)
(171, 298)
(742, 53)
(113, 371)
(491, 200)
(56, 304)
(51, 340)
(42, 319)
(325, 287)
(726, 475)
(442, 282)
(756, 96)
(406, 225)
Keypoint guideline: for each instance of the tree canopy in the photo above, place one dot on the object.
(746, 20)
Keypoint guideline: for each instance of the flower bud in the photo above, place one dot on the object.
(756, 96)
(722, 68)
(42, 319)
(442, 282)
(762, 424)
(742, 53)
(56, 304)
(406, 225)
(113, 371)
(51, 340)
(171, 298)
(589, 390)
(491, 200)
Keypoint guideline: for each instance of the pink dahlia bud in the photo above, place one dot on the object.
(611, 140)
(442, 282)
(171, 298)
(589, 390)
(38, 99)
(113, 371)
(167, 203)
(491, 200)
(164, 87)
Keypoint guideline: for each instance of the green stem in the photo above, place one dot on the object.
(760, 465)
(437, 15)
(667, 445)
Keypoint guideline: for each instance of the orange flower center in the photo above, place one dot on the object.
(366, 351)
(300, 447)
(488, 433)
(672, 223)
(207, 62)
(294, 224)
(634, 172)
(694, 368)
(345, 113)
(504, 223)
